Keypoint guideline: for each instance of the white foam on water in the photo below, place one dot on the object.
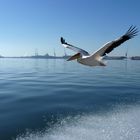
(121, 124)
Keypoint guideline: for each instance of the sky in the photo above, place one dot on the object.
(30, 25)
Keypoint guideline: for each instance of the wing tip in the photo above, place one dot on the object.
(62, 40)
(132, 31)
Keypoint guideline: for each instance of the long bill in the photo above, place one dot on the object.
(77, 55)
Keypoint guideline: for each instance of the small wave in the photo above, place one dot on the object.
(116, 125)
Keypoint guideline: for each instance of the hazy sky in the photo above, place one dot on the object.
(26, 25)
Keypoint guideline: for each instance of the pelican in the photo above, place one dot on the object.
(96, 58)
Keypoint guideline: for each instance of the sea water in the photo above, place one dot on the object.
(52, 99)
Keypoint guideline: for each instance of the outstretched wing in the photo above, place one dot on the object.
(76, 49)
(108, 47)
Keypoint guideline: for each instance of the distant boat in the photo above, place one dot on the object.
(135, 58)
(114, 57)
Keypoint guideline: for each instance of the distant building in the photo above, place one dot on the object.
(36, 52)
(46, 54)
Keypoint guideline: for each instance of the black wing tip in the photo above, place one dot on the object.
(132, 32)
(62, 40)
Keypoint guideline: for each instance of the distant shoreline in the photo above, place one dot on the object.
(66, 57)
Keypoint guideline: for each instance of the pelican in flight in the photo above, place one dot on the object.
(95, 59)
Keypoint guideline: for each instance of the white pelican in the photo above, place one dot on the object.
(95, 59)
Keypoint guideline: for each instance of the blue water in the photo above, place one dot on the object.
(59, 100)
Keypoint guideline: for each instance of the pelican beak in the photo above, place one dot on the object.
(78, 55)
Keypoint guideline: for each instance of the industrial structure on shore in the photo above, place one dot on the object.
(66, 56)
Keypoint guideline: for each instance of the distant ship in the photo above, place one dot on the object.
(114, 57)
(135, 58)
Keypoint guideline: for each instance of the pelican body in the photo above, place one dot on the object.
(95, 59)
(90, 62)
